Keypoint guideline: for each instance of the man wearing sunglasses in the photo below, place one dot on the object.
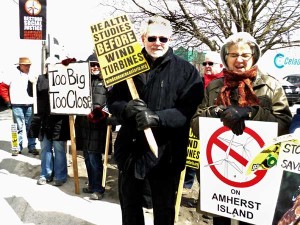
(169, 94)
(212, 67)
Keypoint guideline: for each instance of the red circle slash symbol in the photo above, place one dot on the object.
(214, 140)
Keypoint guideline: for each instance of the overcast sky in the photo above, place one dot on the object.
(68, 20)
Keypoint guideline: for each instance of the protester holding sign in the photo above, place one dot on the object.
(91, 132)
(169, 94)
(53, 131)
(245, 93)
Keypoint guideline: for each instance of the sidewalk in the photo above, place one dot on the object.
(22, 201)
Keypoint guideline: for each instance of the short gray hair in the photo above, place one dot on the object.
(155, 20)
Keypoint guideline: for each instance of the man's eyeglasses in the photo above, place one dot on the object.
(95, 64)
(154, 38)
(244, 56)
(207, 63)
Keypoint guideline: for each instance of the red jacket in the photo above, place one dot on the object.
(4, 92)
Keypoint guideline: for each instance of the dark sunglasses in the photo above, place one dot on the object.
(161, 39)
(209, 63)
(95, 64)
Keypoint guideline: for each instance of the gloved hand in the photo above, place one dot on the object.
(234, 118)
(67, 61)
(215, 111)
(8, 105)
(237, 127)
(96, 115)
(132, 108)
(112, 120)
(146, 119)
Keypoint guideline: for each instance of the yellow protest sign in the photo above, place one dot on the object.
(14, 137)
(118, 50)
(193, 151)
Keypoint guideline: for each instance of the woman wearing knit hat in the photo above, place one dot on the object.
(245, 93)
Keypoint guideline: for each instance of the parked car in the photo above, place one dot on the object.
(292, 92)
(293, 78)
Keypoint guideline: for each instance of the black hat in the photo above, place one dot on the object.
(92, 57)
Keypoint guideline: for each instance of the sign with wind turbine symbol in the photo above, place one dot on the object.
(237, 159)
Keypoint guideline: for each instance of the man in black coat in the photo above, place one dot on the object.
(169, 94)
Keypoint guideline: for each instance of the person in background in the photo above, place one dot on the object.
(244, 93)
(91, 131)
(168, 97)
(14, 92)
(53, 131)
(212, 69)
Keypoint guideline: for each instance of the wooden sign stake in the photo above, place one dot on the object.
(108, 135)
(74, 154)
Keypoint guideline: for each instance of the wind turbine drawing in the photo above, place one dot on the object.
(226, 160)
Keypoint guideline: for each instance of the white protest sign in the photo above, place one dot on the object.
(69, 89)
(226, 188)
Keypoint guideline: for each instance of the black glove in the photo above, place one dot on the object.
(8, 105)
(237, 128)
(234, 118)
(112, 120)
(146, 119)
(132, 108)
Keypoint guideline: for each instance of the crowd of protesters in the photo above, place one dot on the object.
(172, 97)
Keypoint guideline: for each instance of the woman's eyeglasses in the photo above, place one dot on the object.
(154, 38)
(244, 56)
(207, 63)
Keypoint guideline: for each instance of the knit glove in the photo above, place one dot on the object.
(96, 115)
(146, 119)
(132, 108)
(67, 61)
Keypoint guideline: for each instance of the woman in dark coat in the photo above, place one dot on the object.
(91, 133)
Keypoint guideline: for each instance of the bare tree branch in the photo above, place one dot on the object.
(204, 24)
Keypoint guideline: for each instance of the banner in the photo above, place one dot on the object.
(32, 19)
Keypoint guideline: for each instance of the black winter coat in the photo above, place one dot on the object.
(55, 127)
(92, 136)
(172, 89)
